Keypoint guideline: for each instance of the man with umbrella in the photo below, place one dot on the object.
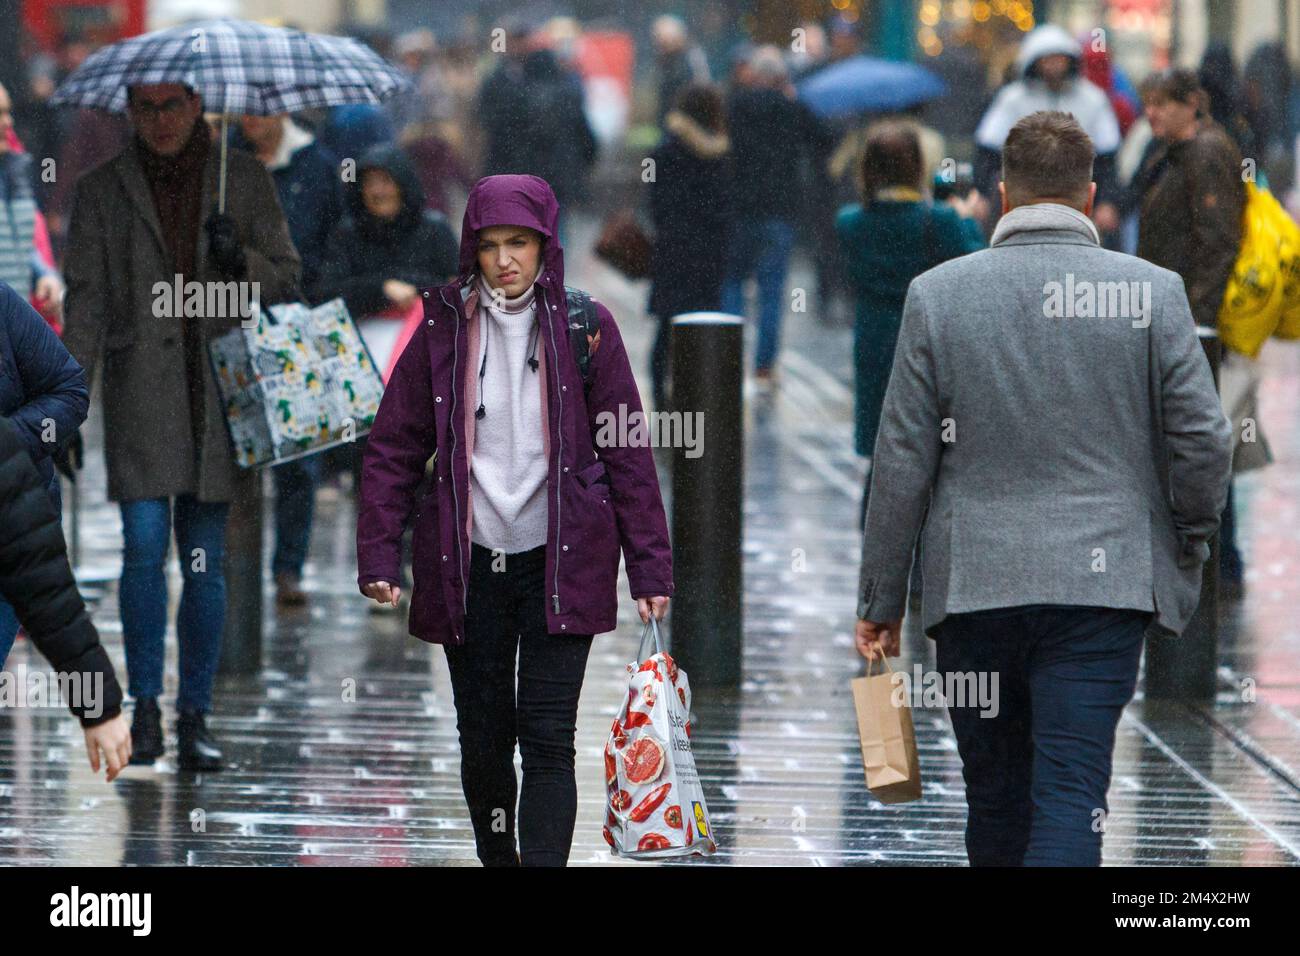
(140, 224)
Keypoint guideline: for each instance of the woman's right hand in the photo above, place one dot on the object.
(383, 592)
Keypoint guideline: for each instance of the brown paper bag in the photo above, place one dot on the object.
(888, 740)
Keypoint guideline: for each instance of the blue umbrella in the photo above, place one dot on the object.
(865, 84)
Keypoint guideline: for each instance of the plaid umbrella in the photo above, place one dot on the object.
(236, 67)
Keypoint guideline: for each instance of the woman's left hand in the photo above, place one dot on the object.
(644, 605)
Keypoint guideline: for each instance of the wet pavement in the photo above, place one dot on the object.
(320, 775)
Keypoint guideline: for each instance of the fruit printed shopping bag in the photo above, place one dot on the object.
(654, 803)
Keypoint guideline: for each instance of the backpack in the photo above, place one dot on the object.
(584, 332)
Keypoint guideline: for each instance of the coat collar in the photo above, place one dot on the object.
(1045, 222)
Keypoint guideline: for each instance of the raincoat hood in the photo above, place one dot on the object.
(1087, 101)
(392, 161)
(512, 200)
(1044, 41)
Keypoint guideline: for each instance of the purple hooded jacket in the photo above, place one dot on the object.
(595, 503)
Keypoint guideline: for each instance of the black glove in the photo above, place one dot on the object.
(68, 458)
(225, 251)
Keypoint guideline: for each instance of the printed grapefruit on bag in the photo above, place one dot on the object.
(643, 760)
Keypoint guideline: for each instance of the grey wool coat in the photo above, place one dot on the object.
(115, 257)
(1066, 457)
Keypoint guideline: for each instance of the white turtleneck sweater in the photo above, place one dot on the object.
(508, 470)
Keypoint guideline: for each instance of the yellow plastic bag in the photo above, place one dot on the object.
(1265, 281)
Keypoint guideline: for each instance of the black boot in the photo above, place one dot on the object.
(195, 747)
(146, 731)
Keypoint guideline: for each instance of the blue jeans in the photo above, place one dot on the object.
(295, 504)
(760, 247)
(142, 595)
(1038, 770)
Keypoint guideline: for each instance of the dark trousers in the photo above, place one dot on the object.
(507, 616)
(1037, 773)
(295, 506)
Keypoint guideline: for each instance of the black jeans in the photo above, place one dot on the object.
(1037, 767)
(507, 614)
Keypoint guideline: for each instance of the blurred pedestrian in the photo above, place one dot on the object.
(689, 203)
(679, 62)
(1048, 65)
(1269, 108)
(307, 181)
(517, 540)
(1190, 221)
(771, 135)
(893, 235)
(1074, 461)
(1218, 78)
(379, 257)
(140, 224)
(501, 108)
(43, 393)
(389, 246)
(37, 585)
(557, 140)
(21, 264)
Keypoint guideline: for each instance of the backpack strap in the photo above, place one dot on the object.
(584, 332)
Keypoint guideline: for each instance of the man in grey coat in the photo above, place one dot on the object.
(1050, 404)
(154, 273)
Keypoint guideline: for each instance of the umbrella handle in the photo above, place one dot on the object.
(221, 182)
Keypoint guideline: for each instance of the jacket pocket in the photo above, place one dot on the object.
(593, 474)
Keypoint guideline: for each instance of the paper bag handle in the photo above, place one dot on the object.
(884, 658)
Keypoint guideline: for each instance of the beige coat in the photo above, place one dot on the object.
(115, 257)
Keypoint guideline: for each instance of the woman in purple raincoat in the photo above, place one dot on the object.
(519, 523)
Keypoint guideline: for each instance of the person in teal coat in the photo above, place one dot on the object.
(886, 241)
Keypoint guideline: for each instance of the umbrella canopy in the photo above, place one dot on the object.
(237, 67)
(865, 84)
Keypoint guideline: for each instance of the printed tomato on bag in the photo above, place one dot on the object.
(654, 800)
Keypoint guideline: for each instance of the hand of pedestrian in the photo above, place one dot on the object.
(383, 592)
(970, 206)
(68, 458)
(645, 605)
(112, 738)
(49, 293)
(877, 639)
(225, 250)
(400, 293)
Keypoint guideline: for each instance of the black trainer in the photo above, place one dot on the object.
(196, 749)
(146, 731)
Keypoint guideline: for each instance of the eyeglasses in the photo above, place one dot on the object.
(148, 110)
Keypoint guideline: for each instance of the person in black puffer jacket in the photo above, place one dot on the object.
(391, 246)
(35, 578)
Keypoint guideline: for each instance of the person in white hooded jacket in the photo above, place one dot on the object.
(1050, 79)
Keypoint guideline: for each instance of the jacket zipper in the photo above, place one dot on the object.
(455, 500)
(559, 448)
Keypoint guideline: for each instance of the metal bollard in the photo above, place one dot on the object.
(241, 642)
(1184, 667)
(707, 495)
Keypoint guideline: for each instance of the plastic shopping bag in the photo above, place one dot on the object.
(654, 803)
